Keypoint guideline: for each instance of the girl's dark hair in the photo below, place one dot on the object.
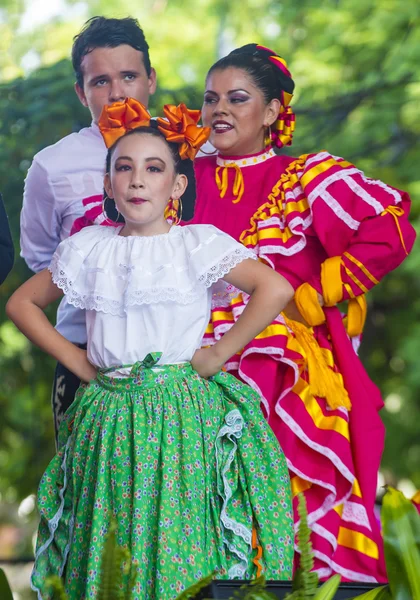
(152, 129)
(182, 167)
(100, 32)
(270, 80)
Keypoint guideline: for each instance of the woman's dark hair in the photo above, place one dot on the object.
(100, 32)
(270, 80)
(182, 167)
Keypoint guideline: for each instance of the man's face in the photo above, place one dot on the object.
(112, 75)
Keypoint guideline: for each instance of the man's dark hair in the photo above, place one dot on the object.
(100, 32)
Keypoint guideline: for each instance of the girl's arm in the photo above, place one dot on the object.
(269, 294)
(25, 308)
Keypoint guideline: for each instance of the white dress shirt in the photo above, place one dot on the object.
(60, 177)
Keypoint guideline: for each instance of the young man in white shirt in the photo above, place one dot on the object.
(111, 62)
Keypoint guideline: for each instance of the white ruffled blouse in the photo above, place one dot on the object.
(144, 294)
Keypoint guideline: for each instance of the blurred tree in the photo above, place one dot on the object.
(357, 94)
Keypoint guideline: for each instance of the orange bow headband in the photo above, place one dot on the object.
(179, 126)
(118, 118)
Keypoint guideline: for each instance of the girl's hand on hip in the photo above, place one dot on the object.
(206, 362)
(84, 370)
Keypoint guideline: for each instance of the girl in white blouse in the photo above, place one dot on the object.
(158, 436)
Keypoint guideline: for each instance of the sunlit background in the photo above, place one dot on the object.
(355, 64)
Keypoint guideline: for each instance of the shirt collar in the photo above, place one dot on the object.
(246, 161)
(95, 129)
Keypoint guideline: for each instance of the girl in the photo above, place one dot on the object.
(332, 233)
(158, 437)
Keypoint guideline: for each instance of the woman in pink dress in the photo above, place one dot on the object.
(333, 233)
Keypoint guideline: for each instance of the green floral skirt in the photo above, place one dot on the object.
(188, 467)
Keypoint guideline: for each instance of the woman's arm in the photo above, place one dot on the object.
(25, 308)
(361, 223)
(269, 294)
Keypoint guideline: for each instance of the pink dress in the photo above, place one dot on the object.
(296, 214)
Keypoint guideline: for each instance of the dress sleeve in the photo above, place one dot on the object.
(6, 245)
(68, 264)
(39, 220)
(213, 253)
(361, 223)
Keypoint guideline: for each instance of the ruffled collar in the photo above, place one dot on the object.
(99, 270)
(246, 161)
(174, 230)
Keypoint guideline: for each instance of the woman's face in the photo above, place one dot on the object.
(237, 113)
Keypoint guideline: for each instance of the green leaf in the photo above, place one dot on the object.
(5, 591)
(305, 581)
(255, 590)
(115, 563)
(193, 590)
(328, 589)
(401, 527)
(380, 593)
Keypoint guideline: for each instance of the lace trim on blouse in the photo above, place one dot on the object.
(93, 300)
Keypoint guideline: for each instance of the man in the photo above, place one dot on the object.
(111, 62)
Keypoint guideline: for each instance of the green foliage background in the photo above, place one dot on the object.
(355, 65)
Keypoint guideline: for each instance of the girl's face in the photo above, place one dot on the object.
(141, 181)
(236, 111)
